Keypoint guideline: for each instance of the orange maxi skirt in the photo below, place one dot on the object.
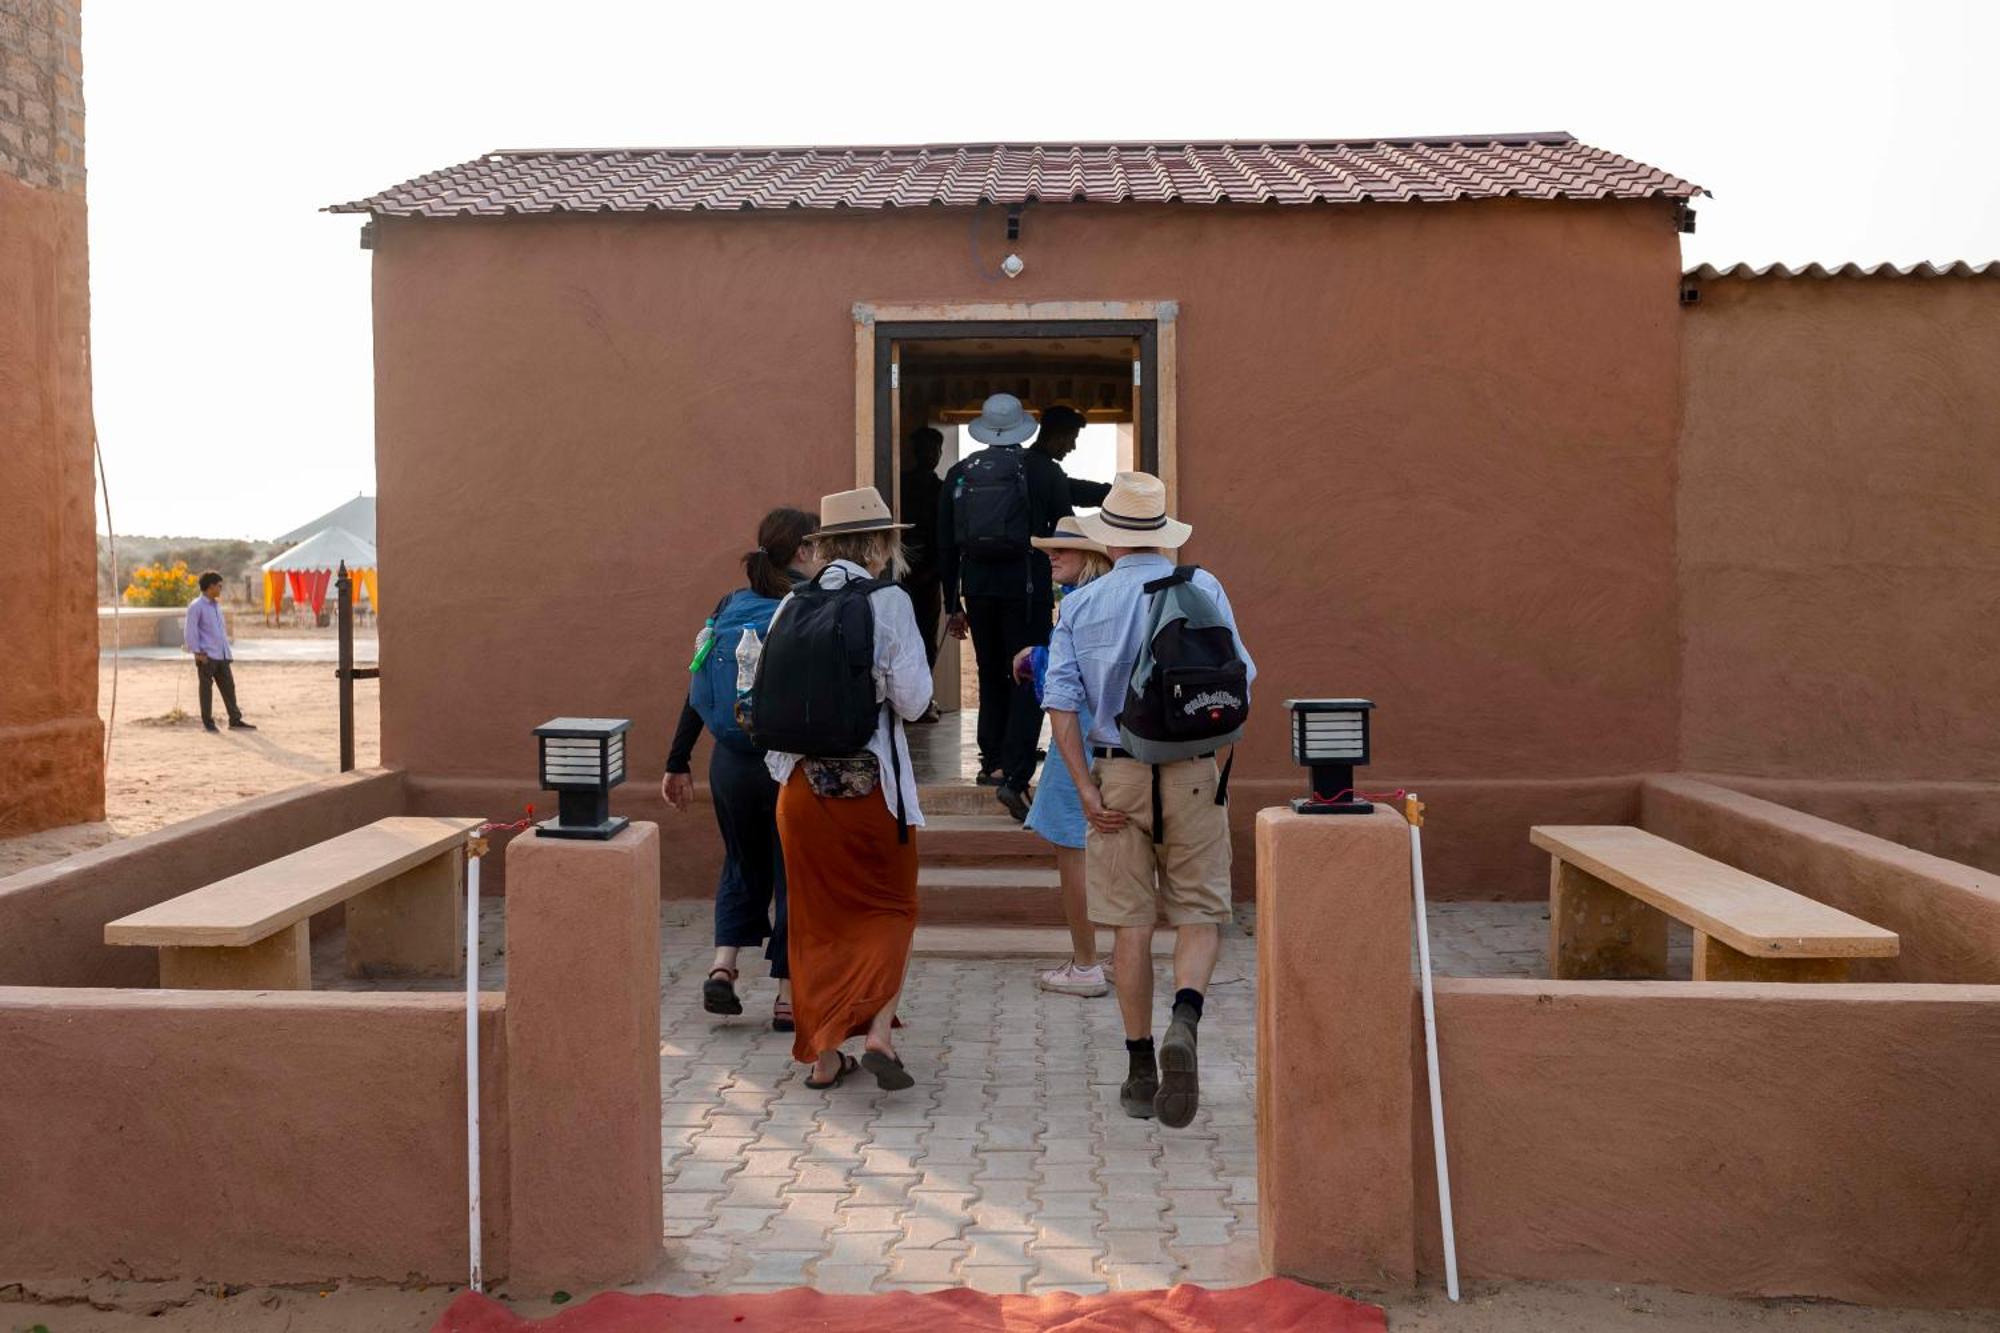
(851, 900)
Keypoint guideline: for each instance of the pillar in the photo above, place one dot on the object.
(1335, 1181)
(583, 1072)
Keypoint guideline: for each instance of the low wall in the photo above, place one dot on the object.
(1946, 915)
(1738, 1138)
(149, 626)
(1959, 821)
(52, 917)
(245, 1137)
(1742, 1139)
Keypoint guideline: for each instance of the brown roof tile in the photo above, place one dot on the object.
(1744, 272)
(637, 180)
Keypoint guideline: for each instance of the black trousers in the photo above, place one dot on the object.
(1010, 720)
(927, 596)
(753, 867)
(215, 674)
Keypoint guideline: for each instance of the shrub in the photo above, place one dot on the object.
(161, 585)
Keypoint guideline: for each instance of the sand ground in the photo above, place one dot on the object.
(165, 768)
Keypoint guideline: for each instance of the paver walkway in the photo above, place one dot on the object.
(1008, 1168)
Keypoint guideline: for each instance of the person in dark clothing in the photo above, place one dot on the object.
(1057, 439)
(744, 794)
(920, 545)
(996, 585)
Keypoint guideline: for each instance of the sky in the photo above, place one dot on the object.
(230, 318)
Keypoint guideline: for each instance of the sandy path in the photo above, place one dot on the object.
(165, 768)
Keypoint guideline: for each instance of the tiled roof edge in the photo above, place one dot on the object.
(1513, 140)
(1747, 272)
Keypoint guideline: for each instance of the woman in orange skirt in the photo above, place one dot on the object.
(848, 822)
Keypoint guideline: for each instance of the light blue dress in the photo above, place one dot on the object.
(1057, 814)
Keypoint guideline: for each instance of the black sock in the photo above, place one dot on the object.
(1190, 997)
(1143, 1046)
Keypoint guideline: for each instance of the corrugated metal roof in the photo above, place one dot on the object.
(1745, 272)
(639, 180)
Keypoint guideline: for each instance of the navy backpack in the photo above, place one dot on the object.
(712, 689)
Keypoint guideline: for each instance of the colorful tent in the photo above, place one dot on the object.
(308, 570)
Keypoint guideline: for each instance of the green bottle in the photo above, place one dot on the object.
(703, 642)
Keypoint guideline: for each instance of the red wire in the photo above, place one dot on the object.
(515, 827)
(1384, 797)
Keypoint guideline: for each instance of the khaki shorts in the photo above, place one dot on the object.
(1132, 880)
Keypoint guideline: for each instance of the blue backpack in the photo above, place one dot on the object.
(712, 688)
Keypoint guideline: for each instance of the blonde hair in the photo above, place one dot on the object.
(864, 549)
(1096, 565)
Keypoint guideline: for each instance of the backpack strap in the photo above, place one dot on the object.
(1222, 783)
(1180, 575)
(1159, 813)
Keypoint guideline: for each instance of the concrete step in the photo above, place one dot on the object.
(958, 798)
(984, 838)
(1050, 942)
(1025, 895)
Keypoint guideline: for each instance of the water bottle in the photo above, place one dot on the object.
(702, 643)
(749, 649)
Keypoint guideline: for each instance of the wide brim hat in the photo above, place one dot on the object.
(1003, 420)
(860, 510)
(1135, 514)
(1068, 537)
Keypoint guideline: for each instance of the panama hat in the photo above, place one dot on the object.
(1003, 421)
(1135, 514)
(855, 511)
(1068, 537)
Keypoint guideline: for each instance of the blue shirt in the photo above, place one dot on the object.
(205, 633)
(1097, 640)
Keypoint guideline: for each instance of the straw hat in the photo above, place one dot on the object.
(1003, 421)
(1135, 514)
(1068, 537)
(855, 511)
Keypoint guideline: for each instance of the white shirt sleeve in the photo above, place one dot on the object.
(902, 668)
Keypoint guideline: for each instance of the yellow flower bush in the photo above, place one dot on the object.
(161, 585)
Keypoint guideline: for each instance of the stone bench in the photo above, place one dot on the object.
(402, 880)
(1612, 888)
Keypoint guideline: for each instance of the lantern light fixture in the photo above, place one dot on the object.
(1330, 737)
(582, 759)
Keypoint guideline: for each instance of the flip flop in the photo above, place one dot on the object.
(718, 993)
(890, 1076)
(848, 1064)
(781, 1016)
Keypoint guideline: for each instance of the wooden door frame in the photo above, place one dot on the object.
(878, 325)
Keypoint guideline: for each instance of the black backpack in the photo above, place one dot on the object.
(990, 519)
(1190, 688)
(815, 688)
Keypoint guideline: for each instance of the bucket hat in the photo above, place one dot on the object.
(1135, 514)
(860, 510)
(1003, 421)
(1068, 537)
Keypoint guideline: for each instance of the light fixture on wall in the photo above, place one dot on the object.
(1013, 266)
(582, 759)
(1330, 737)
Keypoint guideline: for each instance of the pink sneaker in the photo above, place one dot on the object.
(1069, 979)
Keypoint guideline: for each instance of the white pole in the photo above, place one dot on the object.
(1431, 1050)
(472, 1067)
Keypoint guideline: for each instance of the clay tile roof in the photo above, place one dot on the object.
(1744, 272)
(639, 180)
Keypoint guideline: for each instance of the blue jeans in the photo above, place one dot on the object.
(753, 867)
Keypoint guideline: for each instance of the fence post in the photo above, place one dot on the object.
(344, 601)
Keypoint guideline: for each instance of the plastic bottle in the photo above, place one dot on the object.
(749, 648)
(702, 643)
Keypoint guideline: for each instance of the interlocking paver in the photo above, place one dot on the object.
(925, 1265)
(1000, 1280)
(851, 1279)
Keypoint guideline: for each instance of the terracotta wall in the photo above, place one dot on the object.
(51, 743)
(1460, 428)
(245, 1137)
(1959, 821)
(1744, 1139)
(1839, 548)
(1945, 915)
(52, 917)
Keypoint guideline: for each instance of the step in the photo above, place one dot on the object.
(1026, 895)
(979, 838)
(1015, 942)
(958, 798)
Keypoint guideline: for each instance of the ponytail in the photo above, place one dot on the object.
(779, 537)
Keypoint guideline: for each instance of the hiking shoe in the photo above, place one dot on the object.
(1141, 1089)
(1180, 1083)
(1016, 801)
(1069, 979)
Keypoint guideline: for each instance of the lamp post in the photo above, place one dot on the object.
(582, 759)
(1330, 737)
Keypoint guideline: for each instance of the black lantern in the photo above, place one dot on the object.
(1330, 737)
(582, 759)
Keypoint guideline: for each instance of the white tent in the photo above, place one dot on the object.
(308, 569)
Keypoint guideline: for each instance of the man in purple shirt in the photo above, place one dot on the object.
(208, 640)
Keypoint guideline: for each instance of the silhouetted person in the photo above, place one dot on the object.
(208, 639)
(1057, 439)
(924, 583)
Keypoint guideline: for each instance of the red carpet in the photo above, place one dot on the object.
(1274, 1305)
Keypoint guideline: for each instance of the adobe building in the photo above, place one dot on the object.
(51, 742)
(1440, 411)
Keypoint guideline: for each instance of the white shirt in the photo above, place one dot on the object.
(902, 680)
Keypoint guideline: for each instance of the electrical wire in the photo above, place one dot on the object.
(111, 534)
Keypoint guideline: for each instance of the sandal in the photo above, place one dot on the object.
(890, 1076)
(848, 1064)
(781, 1016)
(718, 993)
